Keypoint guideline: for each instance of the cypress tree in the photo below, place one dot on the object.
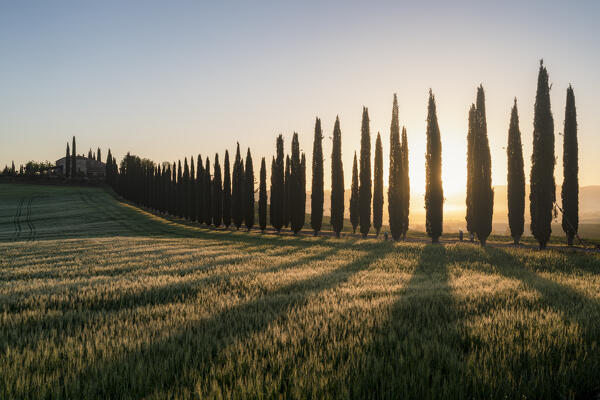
(237, 190)
(434, 193)
(74, 159)
(68, 162)
(180, 194)
(277, 187)
(337, 181)
(90, 154)
(272, 213)
(158, 188)
(483, 194)
(186, 189)
(395, 178)
(249, 192)
(405, 184)
(515, 178)
(570, 187)
(317, 195)
(226, 192)
(217, 194)
(354, 196)
(543, 190)
(364, 190)
(378, 186)
(297, 186)
(98, 155)
(199, 190)
(286, 193)
(262, 196)
(207, 193)
(107, 168)
(473, 125)
(192, 206)
(174, 200)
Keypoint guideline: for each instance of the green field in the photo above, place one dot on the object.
(99, 299)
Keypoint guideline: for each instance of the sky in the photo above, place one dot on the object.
(165, 80)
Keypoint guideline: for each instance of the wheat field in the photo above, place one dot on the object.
(103, 300)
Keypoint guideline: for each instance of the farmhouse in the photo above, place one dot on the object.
(85, 167)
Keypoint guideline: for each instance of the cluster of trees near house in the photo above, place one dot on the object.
(226, 196)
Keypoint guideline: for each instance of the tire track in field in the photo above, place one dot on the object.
(17, 219)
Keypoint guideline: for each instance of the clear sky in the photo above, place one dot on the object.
(166, 80)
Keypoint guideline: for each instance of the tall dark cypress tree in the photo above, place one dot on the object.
(68, 162)
(543, 189)
(98, 155)
(262, 196)
(90, 154)
(395, 177)
(180, 194)
(378, 186)
(199, 190)
(317, 195)
(483, 194)
(193, 201)
(434, 194)
(277, 187)
(226, 192)
(74, 159)
(217, 194)
(337, 181)
(354, 197)
(186, 189)
(249, 192)
(107, 168)
(297, 186)
(364, 190)
(287, 203)
(515, 178)
(473, 125)
(237, 190)
(570, 187)
(174, 200)
(207, 193)
(405, 185)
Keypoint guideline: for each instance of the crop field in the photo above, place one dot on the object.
(99, 299)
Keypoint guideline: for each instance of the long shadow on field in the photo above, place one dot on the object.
(170, 363)
(418, 352)
(76, 314)
(574, 307)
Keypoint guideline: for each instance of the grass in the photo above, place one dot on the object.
(142, 307)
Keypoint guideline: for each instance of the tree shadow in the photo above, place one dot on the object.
(195, 348)
(418, 352)
(581, 378)
(76, 314)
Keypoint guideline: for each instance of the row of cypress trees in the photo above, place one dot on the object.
(214, 199)
(174, 189)
(192, 191)
(542, 196)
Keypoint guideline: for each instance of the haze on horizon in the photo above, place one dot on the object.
(166, 81)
